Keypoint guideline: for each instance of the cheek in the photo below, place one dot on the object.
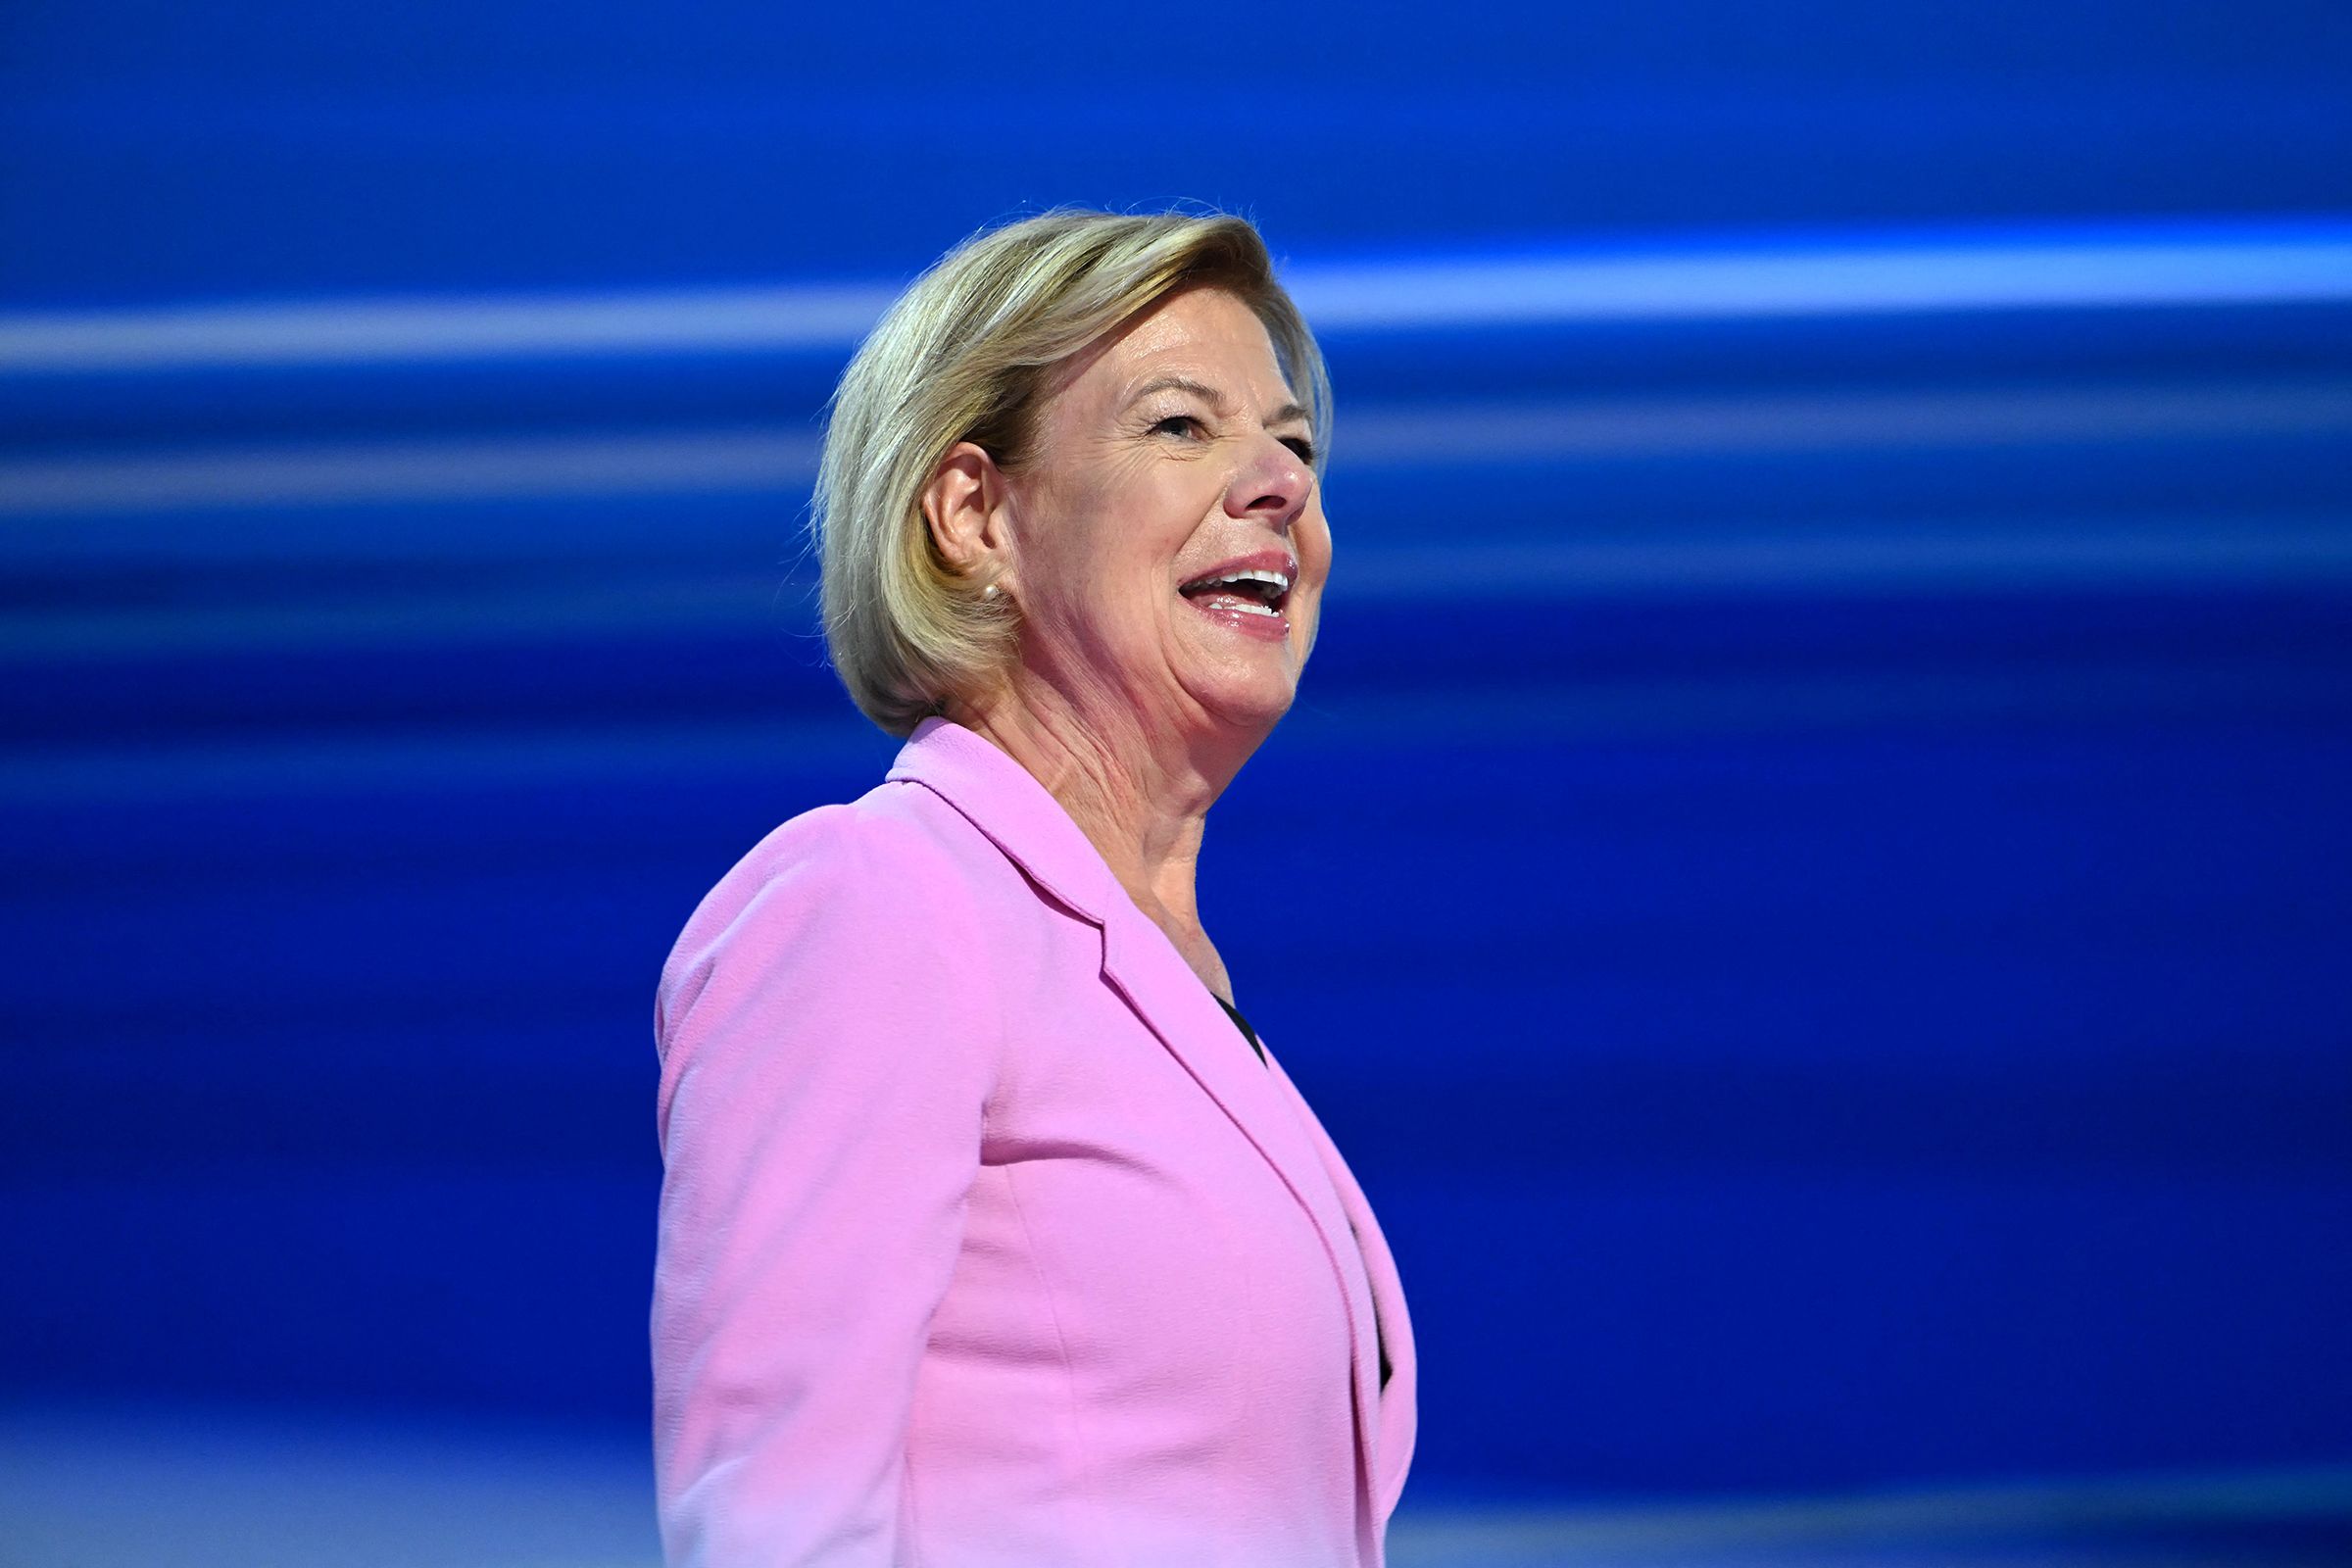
(1314, 562)
(1102, 560)
(1112, 589)
(1314, 551)
(1077, 558)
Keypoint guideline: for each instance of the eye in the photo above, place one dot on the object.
(1303, 447)
(1178, 424)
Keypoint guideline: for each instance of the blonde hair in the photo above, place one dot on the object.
(964, 355)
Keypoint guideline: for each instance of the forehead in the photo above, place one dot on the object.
(1204, 333)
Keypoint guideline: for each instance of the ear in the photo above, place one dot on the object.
(963, 507)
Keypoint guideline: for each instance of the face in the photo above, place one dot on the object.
(1165, 539)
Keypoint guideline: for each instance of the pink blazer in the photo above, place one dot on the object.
(986, 1242)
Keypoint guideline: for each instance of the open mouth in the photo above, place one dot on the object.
(1252, 591)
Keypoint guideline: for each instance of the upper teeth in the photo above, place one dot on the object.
(1257, 574)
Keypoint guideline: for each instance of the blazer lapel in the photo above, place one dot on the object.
(1145, 967)
(1018, 814)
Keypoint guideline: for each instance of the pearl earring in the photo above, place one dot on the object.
(990, 592)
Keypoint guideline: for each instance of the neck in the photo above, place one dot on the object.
(1142, 799)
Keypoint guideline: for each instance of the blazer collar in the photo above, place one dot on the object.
(1014, 811)
(1023, 818)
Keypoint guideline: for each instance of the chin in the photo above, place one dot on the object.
(1246, 705)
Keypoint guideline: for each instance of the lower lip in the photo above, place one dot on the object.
(1272, 628)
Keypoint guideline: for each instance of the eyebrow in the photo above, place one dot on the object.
(1213, 398)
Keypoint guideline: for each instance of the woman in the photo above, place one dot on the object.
(990, 1232)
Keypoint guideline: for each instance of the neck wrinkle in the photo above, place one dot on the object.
(1144, 810)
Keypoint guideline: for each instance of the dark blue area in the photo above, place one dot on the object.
(1810, 1012)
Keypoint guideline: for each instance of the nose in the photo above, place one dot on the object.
(1272, 485)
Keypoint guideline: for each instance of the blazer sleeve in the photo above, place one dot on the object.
(826, 1038)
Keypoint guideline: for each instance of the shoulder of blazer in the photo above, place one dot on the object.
(895, 861)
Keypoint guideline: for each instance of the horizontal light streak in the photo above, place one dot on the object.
(441, 1492)
(412, 473)
(1717, 424)
(1374, 439)
(2071, 1514)
(1900, 558)
(2070, 271)
(362, 333)
(1989, 555)
(1862, 274)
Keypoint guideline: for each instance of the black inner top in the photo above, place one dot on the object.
(1250, 1035)
(1243, 1024)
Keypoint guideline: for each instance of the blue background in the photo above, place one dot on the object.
(1813, 888)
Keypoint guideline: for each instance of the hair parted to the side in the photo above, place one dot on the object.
(964, 355)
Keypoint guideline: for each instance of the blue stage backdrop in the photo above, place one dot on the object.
(1811, 875)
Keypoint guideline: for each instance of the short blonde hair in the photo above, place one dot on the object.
(966, 354)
